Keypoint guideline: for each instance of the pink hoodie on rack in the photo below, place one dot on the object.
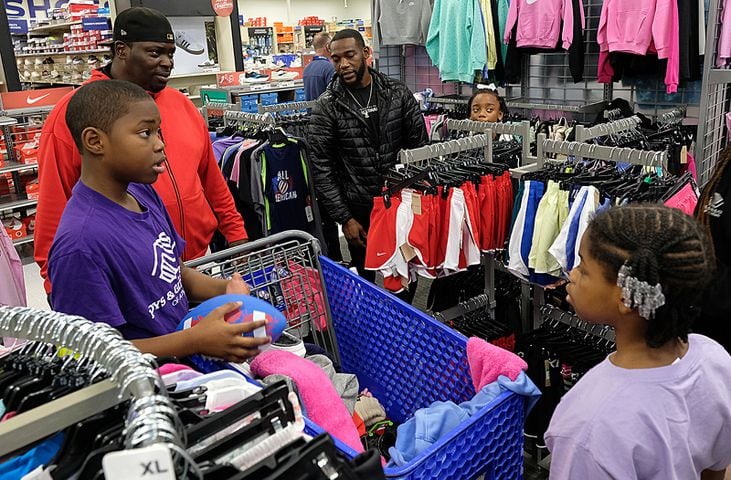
(539, 23)
(639, 27)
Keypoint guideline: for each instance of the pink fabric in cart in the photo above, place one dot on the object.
(487, 362)
(321, 400)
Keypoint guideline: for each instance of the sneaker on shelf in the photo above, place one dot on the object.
(107, 58)
(289, 343)
(28, 62)
(67, 77)
(48, 61)
(35, 76)
(208, 64)
(77, 60)
(183, 41)
(92, 60)
(86, 75)
(254, 77)
(296, 63)
(76, 78)
(55, 74)
(281, 75)
(38, 61)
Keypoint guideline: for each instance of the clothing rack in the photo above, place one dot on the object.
(151, 418)
(614, 114)
(603, 332)
(448, 101)
(475, 303)
(673, 117)
(588, 108)
(584, 134)
(598, 152)
(219, 107)
(450, 147)
(438, 150)
(519, 129)
(286, 107)
(246, 117)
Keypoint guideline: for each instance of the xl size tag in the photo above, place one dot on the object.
(148, 463)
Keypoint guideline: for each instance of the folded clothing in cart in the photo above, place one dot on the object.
(430, 424)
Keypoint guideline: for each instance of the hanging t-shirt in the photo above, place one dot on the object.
(279, 188)
(109, 264)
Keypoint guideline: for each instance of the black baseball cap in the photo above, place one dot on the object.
(142, 24)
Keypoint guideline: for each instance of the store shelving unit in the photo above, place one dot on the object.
(60, 54)
(53, 27)
(57, 54)
(17, 201)
(9, 166)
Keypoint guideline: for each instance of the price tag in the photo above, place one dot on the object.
(148, 463)
(259, 87)
(308, 213)
(416, 203)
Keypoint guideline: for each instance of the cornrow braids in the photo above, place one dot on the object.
(710, 187)
(661, 245)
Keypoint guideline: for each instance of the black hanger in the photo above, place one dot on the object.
(79, 441)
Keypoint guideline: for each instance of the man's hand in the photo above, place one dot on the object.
(354, 233)
(217, 338)
(237, 285)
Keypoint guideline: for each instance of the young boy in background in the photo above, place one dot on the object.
(116, 257)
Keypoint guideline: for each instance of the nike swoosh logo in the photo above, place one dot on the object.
(530, 2)
(31, 101)
(381, 254)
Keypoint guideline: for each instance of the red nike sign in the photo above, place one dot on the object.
(46, 97)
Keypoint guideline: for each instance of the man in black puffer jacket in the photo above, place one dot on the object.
(356, 130)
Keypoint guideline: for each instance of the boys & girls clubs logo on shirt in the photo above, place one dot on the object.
(283, 187)
(166, 267)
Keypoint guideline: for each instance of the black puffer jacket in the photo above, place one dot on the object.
(350, 158)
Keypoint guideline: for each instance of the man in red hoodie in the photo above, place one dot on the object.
(193, 189)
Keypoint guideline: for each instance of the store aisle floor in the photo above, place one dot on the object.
(36, 295)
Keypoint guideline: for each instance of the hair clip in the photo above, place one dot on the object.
(491, 86)
(639, 294)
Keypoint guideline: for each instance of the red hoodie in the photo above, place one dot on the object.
(193, 189)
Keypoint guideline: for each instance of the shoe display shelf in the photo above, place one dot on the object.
(60, 53)
(18, 180)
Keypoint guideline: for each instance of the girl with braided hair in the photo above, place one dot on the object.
(715, 215)
(659, 407)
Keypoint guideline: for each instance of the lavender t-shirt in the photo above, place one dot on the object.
(667, 423)
(111, 265)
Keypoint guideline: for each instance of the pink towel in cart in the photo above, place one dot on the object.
(321, 401)
(487, 362)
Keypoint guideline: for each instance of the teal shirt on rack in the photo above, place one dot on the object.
(456, 42)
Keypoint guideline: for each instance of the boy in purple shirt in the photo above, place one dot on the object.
(659, 408)
(116, 255)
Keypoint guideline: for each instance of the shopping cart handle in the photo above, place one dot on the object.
(259, 244)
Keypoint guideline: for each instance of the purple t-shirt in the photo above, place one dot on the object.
(111, 265)
(666, 423)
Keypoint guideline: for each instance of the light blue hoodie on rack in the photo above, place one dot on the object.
(429, 424)
(456, 42)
